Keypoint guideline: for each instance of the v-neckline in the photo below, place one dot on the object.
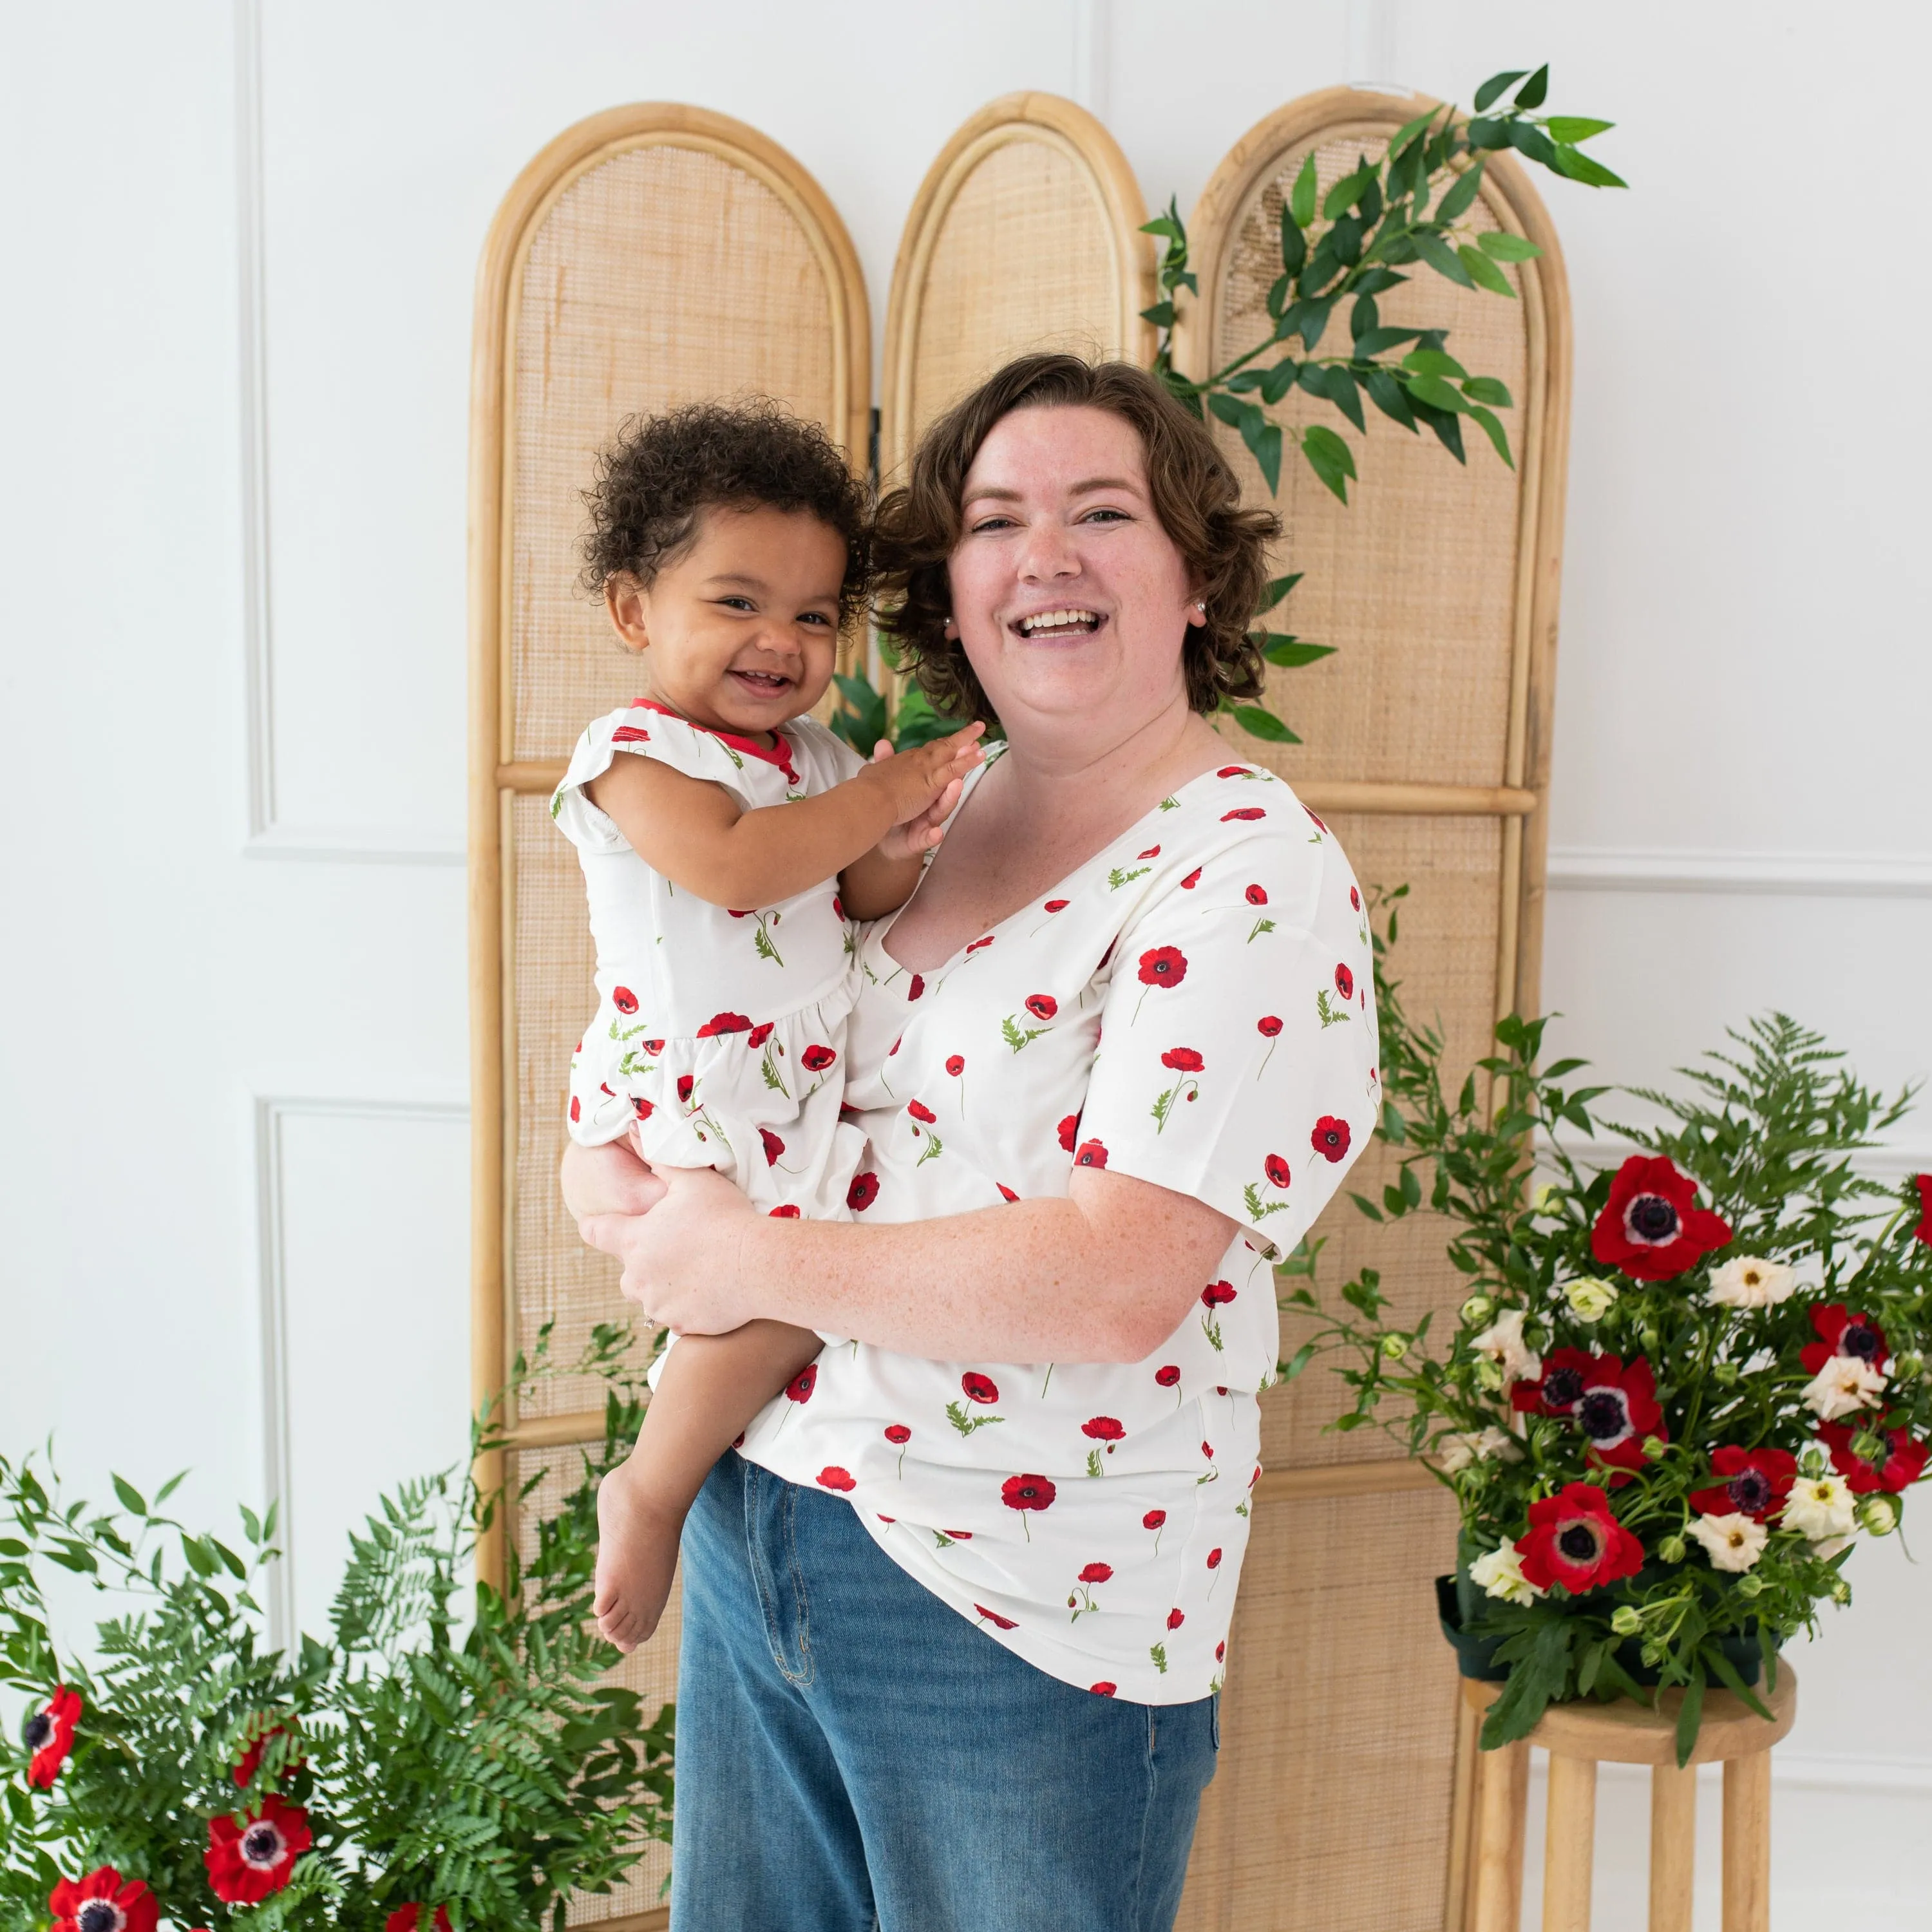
(882, 930)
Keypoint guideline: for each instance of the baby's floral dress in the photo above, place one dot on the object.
(720, 1034)
(1193, 1006)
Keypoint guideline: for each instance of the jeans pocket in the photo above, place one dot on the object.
(1214, 1721)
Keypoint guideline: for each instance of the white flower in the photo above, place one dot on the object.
(1843, 1386)
(1502, 1342)
(1820, 1507)
(1456, 1452)
(1748, 1282)
(1501, 1574)
(1591, 1300)
(1878, 1514)
(1732, 1542)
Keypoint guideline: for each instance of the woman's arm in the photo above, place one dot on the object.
(1105, 1275)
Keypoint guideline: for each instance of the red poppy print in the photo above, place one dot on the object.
(1750, 1482)
(1213, 1559)
(1069, 1129)
(833, 1477)
(1097, 1573)
(1027, 1493)
(1057, 905)
(1192, 879)
(1842, 1333)
(1090, 1153)
(624, 1000)
(799, 1388)
(1042, 1005)
(630, 734)
(1268, 1027)
(817, 1059)
(1103, 1688)
(718, 1024)
(1276, 1170)
(1330, 1138)
(1345, 981)
(863, 1192)
(1256, 896)
(642, 1108)
(977, 943)
(101, 1903)
(576, 1109)
(686, 1082)
(1006, 1192)
(1168, 1376)
(786, 1210)
(1575, 1540)
(774, 1146)
(955, 1064)
(1176, 1617)
(1651, 1227)
(1216, 1294)
(920, 1111)
(1355, 899)
(915, 986)
(247, 1862)
(1234, 772)
(1898, 1462)
(1182, 1059)
(1105, 1430)
(993, 1618)
(50, 1737)
(1318, 824)
(1247, 811)
(1163, 966)
(654, 1047)
(897, 1432)
(979, 1388)
(759, 1034)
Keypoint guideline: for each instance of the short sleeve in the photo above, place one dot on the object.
(637, 731)
(1237, 1052)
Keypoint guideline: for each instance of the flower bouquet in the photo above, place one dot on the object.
(1677, 1390)
(420, 1767)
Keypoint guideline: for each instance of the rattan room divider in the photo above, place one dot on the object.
(658, 253)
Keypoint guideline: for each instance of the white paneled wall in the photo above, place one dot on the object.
(235, 341)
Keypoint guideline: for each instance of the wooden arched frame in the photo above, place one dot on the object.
(1049, 121)
(495, 778)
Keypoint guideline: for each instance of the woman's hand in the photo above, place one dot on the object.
(606, 1180)
(678, 1259)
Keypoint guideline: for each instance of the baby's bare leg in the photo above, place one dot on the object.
(711, 1388)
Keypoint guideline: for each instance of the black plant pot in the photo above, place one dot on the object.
(1459, 1601)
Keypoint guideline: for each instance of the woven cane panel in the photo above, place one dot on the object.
(651, 1671)
(1445, 962)
(1415, 580)
(552, 1276)
(1331, 1804)
(662, 276)
(1025, 258)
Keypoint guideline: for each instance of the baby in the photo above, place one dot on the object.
(728, 843)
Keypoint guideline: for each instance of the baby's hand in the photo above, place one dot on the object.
(636, 1556)
(926, 784)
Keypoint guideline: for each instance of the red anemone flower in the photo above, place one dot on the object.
(719, 1024)
(833, 1477)
(1276, 1170)
(1901, 1457)
(1750, 1482)
(1616, 1411)
(1345, 981)
(406, 1917)
(1163, 966)
(800, 1387)
(1842, 1333)
(1217, 1294)
(920, 1111)
(101, 1903)
(774, 1146)
(50, 1737)
(863, 1192)
(248, 1861)
(251, 1760)
(1651, 1227)
(1923, 1182)
(1575, 1541)
(1042, 1005)
(1027, 1493)
(1330, 1138)
(1091, 1153)
(979, 1387)
(817, 1059)
(1559, 1388)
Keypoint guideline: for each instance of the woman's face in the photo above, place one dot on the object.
(1071, 601)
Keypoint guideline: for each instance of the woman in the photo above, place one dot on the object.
(955, 1615)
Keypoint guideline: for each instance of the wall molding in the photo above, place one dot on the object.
(270, 1111)
(1810, 874)
(1893, 1159)
(266, 835)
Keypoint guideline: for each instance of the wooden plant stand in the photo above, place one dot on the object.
(1579, 1737)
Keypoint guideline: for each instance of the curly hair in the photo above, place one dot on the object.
(1195, 497)
(661, 472)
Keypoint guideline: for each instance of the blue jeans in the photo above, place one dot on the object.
(852, 1754)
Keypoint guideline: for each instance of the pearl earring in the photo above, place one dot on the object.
(951, 629)
(1200, 613)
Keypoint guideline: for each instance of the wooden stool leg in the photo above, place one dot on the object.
(1502, 1800)
(1673, 1845)
(1569, 1845)
(1747, 1844)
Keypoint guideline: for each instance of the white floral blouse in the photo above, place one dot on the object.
(719, 1035)
(1192, 1007)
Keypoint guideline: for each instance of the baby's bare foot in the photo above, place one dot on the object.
(637, 1555)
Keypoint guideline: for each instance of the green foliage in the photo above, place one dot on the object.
(1770, 1130)
(484, 1765)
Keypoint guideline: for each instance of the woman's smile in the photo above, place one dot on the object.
(1062, 620)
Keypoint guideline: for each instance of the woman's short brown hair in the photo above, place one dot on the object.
(1195, 495)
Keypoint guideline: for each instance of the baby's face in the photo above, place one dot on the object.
(741, 632)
